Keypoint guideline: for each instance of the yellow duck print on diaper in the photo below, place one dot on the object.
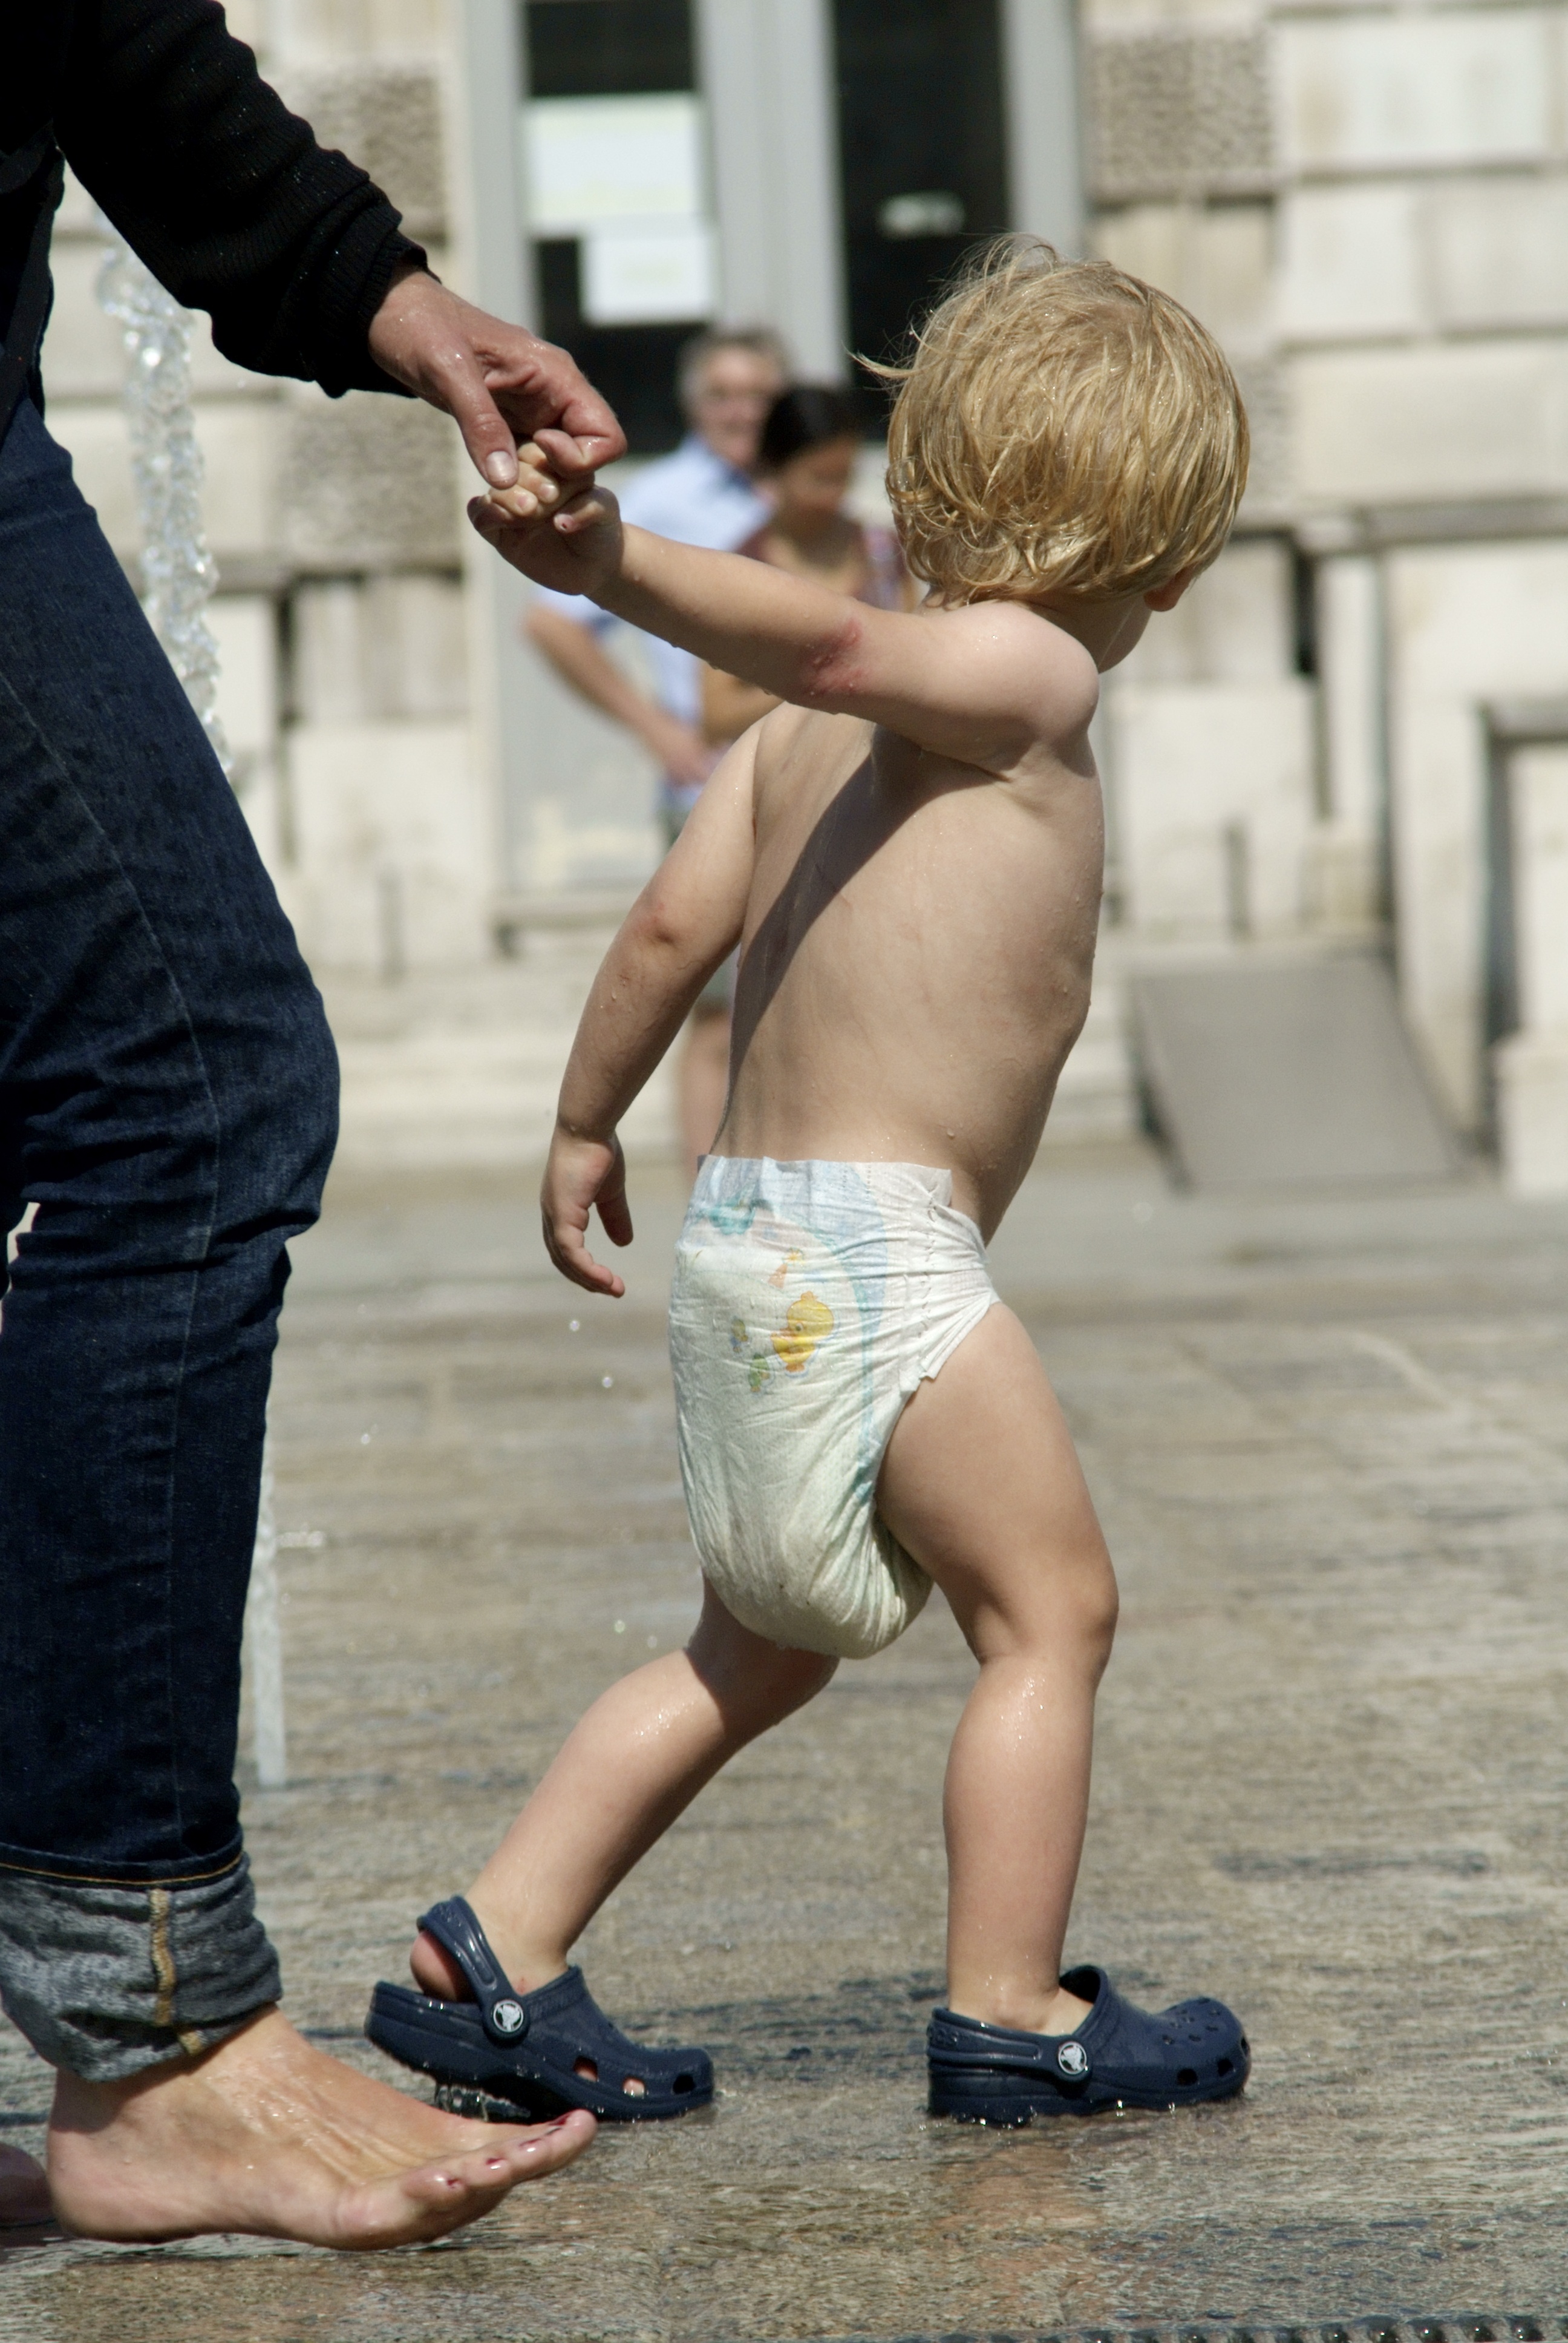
(808, 1322)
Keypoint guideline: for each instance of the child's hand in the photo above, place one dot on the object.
(579, 1175)
(538, 488)
(570, 542)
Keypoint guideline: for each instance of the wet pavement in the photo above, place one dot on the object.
(1330, 1443)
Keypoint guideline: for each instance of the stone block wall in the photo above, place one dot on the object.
(1371, 208)
(1209, 738)
(1422, 316)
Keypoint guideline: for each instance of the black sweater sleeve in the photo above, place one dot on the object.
(225, 194)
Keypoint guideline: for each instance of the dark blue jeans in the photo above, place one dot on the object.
(168, 1102)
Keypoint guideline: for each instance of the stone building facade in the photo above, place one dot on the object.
(1370, 204)
(1354, 733)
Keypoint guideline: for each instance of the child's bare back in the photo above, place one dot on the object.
(917, 942)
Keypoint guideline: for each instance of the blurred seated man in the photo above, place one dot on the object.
(704, 494)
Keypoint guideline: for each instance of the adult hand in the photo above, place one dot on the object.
(498, 383)
(580, 659)
(679, 749)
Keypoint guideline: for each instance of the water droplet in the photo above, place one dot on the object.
(621, 1626)
(574, 1326)
(607, 1383)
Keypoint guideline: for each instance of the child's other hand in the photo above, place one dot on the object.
(570, 540)
(580, 1174)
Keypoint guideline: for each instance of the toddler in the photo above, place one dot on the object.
(908, 855)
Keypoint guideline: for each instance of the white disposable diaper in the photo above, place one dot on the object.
(810, 1300)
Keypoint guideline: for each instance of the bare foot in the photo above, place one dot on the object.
(268, 2137)
(24, 2201)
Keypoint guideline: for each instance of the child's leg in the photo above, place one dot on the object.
(636, 1760)
(980, 1485)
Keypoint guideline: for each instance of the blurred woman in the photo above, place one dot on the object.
(806, 461)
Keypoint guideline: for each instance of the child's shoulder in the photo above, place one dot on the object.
(1022, 631)
(1023, 659)
(995, 685)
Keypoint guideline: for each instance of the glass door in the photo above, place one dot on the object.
(923, 156)
(614, 155)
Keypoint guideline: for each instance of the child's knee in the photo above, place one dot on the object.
(757, 1682)
(801, 1675)
(1103, 1608)
(776, 1686)
(1080, 1618)
(776, 1681)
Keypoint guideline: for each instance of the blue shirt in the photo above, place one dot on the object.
(697, 499)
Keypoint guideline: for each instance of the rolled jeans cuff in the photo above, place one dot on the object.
(107, 1981)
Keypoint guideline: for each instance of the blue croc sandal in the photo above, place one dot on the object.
(1118, 2058)
(526, 2047)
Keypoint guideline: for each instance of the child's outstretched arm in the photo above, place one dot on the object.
(682, 926)
(986, 683)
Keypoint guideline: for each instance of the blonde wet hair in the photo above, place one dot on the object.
(1061, 428)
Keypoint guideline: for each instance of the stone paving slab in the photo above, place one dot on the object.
(1330, 1443)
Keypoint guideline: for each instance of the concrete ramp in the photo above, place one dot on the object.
(1264, 1077)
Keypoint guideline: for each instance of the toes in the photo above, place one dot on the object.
(523, 2155)
(442, 2197)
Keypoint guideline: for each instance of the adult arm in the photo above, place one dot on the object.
(294, 252)
(582, 660)
(225, 194)
(683, 926)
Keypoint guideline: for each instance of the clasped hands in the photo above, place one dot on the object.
(561, 529)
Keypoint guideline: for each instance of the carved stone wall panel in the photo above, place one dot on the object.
(387, 119)
(368, 483)
(1173, 113)
(1261, 380)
